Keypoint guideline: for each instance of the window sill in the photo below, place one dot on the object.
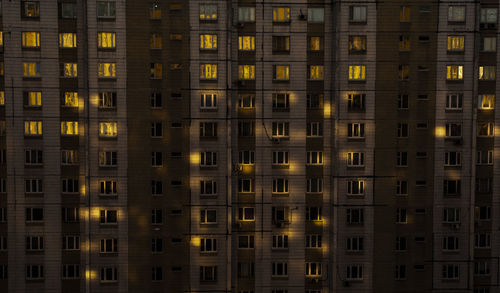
(209, 80)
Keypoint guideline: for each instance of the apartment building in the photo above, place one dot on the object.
(248, 146)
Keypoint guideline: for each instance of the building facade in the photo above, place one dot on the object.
(248, 146)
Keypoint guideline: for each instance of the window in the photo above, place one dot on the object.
(453, 130)
(355, 216)
(156, 129)
(70, 215)
(404, 14)
(316, 72)
(402, 130)
(355, 130)
(108, 159)
(156, 100)
(404, 72)
(481, 268)
(33, 157)
(451, 215)
(456, 14)
(313, 269)
(279, 269)
(154, 11)
(314, 129)
(208, 42)
(404, 43)
(30, 8)
(156, 187)
(280, 129)
(67, 40)
(34, 243)
(70, 185)
(450, 272)
(108, 188)
(402, 102)
(2, 98)
(208, 273)
(208, 216)
(356, 102)
(489, 16)
(482, 240)
(69, 70)
(355, 244)
(483, 213)
(246, 43)
(246, 214)
(31, 69)
(357, 72)
(281, 14)
(108, 274)
(107, 100)
(106, 40)
(208, 71)
(108, 217)
(246, 72)
(156, 159)
(454, 72)
(279, 215)
(487, 72)
(401, 243)
(401, 216)
(246, 241)
(485, 129)
(106, 9)
(315, 44)
(484, 157)
(33, 186)
(70, 99)
(246, 157)
(209, 12)
(452, 158)
(355, 159)
(314, 185)
(281, 101)
(400, 272)
(107, 70)
(246, 129)
(208, 187)
(402, 159)
(34, 215)
(246, 14)
(313, 214)
(69, 128)
(70, 272)
(354, 272)
(208, 245)
(34, 272)
(33, 99)
(313, 241)
(451, 187)
(156, 71)
(357, 13)
(456, 43)
(208, 159)
(68, 10)
(484, 185)
(454, 101)
(246, 101)
(156, 216)
(315, 15)
(280, 186)
(281, 72)
(30, 39)
(450, 243)
(281, 44)
(156, 245)
(355, 187)
(489, 44)
(280, 158)
(357, 44)
(314, 158)
(32, 128)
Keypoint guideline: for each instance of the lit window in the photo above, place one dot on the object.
(246, 43)
(404, 14)
(70, 70)
(208, 71)
(456, 43)
(208, 11)
(281, 72)
(107, 70)
(30, 9)
(106, 40)
(34, 99)
(315, 15)
(316, 72)
(487, 72)
(106, 9)
(1, 38)
(357, 44)
(281, 14)
(208, 42)
(454, 72)
(489, 15)
(246, 72)
(486, 102)
(489, 44)
(246, 14)
(155, 11)
(108, 129)
(32, 127)
(357, 13)
(155, 42)
(315, 43)
(30, 39)
(2, 98)
(67, 40)
(456, 13)
(246, 101)
(357, 72)
(355, 159)
(156, 70)
(69, 127)
(313, 269)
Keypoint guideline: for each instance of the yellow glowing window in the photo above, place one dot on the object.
(404, 43)
(1, 38)
(30, 39)
(454, 72)
(107, 70)
(106, 40)
(32, 127)
(155, 11)
(155, 42)
(70, 70)
(281, 72)
(1, 69)
(156, 70)
(246, 43)
(69, 127)
(281, 14)
(208, 11)
(208, 42)
(208, 71)
(176, 37)
(71, 99)
(2, 98)
(487, 72)
(67, 40)
(357, 72)
(31, 69)
(357, 43)
(456, 43)
(404, 13)
(246, 72)
(316, 72)
(315, 44)
(34, 99)
(108, 129)
(486, 102)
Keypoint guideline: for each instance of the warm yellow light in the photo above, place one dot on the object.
(90, 274)
(194, 158)
(95, 213)
(327, 109)
(196, 241)
(247, 169)
(440, 131)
